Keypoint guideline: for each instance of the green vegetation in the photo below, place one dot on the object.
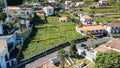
(2, 16)
(46, 36)
(107, 60)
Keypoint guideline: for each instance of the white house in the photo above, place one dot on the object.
(86, 19)
(90, 53)
(5, 60)
(79, 4)
(112, 28)
(48, 10)
(1, 29)
(102, 2)
(97, 30)
(63, 19)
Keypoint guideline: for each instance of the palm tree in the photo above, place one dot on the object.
(61, 55)
(91, 37)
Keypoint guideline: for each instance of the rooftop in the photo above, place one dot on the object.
(102, 48)
(13, 8)
(49, 7)
(91, 27)
(113, 24)
(63, 18)
(86, 16)
(114, 43)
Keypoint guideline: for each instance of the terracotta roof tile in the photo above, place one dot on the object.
(113, 24)
(2, 45)
(86, 16)
(13, 8)
(63, 18)
(91, 27)
(102, 48)
(114, 43)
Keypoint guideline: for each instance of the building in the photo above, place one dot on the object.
(48, 10)
(26, 12)
(83, 51)
(63, 19)
(5, 61)
(79, 4)
(15, 11)
(113, 28)
(103, 2)
(97, 30)
(86, 19)
(111, 45)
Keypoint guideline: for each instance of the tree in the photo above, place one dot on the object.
(2, 16)
(61, 55)
(107, 60)
(14, 2)
(73, 49)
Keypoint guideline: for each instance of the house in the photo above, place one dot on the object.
(5, 61)
(111, 45)
(63, 19)
(26, 12)
(48, 10)
(112, 28)
(103, 2)
(86, 19)
(13, 11)
(83, 51)
(68, 2)
(79, 4)
(97, 30)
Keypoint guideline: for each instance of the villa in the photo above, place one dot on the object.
(68, 2)
(48, 10)
(96, 30)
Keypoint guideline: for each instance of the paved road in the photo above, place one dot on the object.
(42, 60)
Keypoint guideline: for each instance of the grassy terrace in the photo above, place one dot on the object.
(46, 36)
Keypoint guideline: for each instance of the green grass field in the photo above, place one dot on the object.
(46, 36)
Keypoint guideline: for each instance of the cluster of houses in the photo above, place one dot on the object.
(91, 28)
(10, 38)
